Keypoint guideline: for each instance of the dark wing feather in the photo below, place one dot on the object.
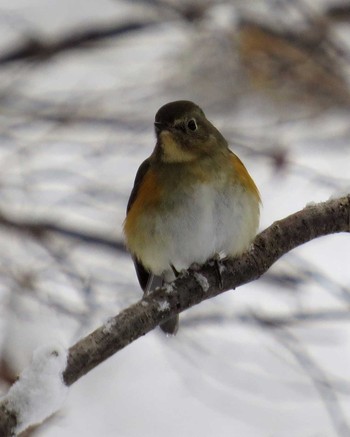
(142, 274)
(148, 281)
(141, 172)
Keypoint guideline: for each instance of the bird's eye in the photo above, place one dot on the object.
(192, 125)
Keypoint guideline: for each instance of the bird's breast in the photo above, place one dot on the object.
(187, 220)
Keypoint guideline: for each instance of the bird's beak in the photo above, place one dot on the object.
(159, 126)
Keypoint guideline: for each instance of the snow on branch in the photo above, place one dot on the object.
(39, 392)
(187, 290)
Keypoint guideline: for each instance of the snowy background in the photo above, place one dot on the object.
(76, 120)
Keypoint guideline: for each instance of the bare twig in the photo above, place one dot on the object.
(35, 48)
(320, 381)
(41, 230)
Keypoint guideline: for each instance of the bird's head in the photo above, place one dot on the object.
(184, 133)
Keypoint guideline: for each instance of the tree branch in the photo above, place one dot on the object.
(194, 287)
(41, 230)
(35, 48)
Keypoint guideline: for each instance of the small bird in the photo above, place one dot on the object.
(192, 199)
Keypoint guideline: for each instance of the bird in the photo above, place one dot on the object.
(192, 199)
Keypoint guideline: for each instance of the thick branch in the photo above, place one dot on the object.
(188, 290)
(196, 286)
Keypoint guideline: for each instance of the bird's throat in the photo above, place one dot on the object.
(172, 151)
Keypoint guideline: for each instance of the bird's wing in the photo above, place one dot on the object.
(243, 175)
(141, 172)
(143, 275)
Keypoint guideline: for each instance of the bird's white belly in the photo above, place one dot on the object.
(207, 222)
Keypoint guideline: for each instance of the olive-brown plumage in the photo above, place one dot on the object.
(192, 198)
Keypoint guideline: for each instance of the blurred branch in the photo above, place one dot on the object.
(328, 387)
(189, 11)
(302, 65)
(320, 381)
(41, 230)
(35, 48)
(193, 287)
(267, 321)
(339, 13)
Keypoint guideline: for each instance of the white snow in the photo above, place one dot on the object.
(202, 281)
(222, 268)
(163, 305)
(40, 390)
(340, 193)
(108, 326)
(169, 288)
(310, 204)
